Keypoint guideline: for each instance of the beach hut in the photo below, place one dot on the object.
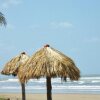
(49, 63)
(13, 68)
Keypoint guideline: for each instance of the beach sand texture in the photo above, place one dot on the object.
(54, 96)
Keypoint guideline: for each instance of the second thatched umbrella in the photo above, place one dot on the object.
(48, 62)
(14, 67)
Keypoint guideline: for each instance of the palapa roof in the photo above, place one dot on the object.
(12, 67)
(50, 62)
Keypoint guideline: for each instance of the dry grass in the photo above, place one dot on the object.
(13, 66)
(49, 62)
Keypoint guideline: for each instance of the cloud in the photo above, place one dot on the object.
(50, 26)
(92, 40)
(8, 3)
(61, 24)
(10, 26)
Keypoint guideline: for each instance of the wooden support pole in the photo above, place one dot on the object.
(23, 91)
(49, 88)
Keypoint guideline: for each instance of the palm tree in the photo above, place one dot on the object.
(2, 19)
(49, 63)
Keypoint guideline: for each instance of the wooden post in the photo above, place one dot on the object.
(23, 91)
(49, 88)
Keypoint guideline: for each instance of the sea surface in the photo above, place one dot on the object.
(86, 84)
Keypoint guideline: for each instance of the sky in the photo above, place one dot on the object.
(70, 26)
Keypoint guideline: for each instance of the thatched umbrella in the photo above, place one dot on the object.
(48, 62)
(13, 68)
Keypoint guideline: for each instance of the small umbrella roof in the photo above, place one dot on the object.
(12, 66)
(51, 63)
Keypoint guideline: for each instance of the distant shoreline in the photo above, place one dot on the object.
(90, 75)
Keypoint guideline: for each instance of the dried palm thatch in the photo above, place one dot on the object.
(13, 66)
(48, 62)
(52, 63)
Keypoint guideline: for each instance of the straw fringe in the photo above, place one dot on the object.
(13, 66)
(10, 67)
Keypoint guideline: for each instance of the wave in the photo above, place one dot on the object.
(83, 80)
(87, 78)
(10, 87)
(84, 85)
(9, 80)
(95, 81)
(55, 87)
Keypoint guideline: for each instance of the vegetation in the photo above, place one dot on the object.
(2, 19)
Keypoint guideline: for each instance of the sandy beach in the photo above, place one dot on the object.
(54, 96)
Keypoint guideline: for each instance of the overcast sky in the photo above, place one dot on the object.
(71, 26)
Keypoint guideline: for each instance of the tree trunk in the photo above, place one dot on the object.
(23, 91)
(49, 88)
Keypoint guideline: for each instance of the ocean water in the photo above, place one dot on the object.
(86, 84)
